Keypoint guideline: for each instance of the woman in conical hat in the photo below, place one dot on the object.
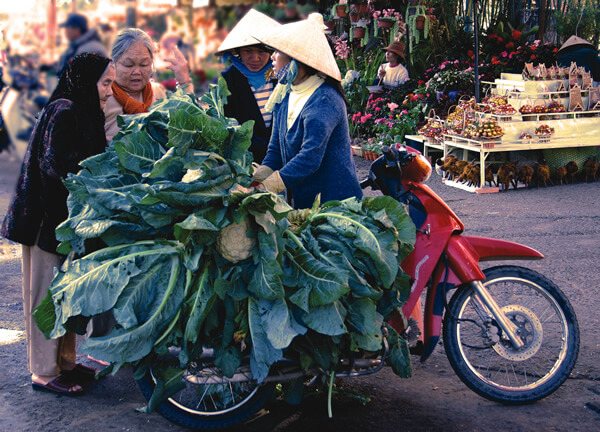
(309, 152)
(583, 53)
(250, 78)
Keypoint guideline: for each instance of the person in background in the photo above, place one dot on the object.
(393, 73)
(249, 78)
(581, 52)
(133, 91)
(309, 153)
(69, 130)
(81, 40)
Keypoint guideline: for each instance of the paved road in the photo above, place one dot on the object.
(562, 222)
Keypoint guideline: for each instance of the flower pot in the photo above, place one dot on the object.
(420, 23)
(361, 7)
(358, 32)
(340, 10)
(330, 25)
(385, 23)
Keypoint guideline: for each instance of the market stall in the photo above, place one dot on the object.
(557, 111)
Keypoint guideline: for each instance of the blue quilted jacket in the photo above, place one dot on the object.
(314, 156)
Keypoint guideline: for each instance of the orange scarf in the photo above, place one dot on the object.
(129, 104)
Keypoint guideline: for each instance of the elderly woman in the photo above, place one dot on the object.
(249, 78)
(69, 130)
(133, 92)
(309, 152)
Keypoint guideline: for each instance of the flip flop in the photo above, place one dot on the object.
(80, 373)
(59, 385)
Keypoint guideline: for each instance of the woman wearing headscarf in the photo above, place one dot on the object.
(133, 92)
(249, 78)
(69, 129)
(309, 152)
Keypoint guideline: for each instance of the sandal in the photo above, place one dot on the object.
(80, 373)
(59, 385)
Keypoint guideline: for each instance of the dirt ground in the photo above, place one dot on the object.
(563, 222)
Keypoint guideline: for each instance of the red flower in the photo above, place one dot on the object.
(516, 34)
(509, 45)
(470, 53)
(532, 57)
(500, 40)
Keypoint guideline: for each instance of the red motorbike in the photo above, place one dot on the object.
(510, 334)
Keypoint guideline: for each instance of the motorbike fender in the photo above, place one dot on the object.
(489, 249)
(464, 254)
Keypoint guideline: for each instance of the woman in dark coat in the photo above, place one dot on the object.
(249, 78)
(70, 129)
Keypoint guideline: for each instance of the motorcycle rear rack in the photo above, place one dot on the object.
(289, 370)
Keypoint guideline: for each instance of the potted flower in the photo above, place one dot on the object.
(354, 15)
(386, 18)
(340, 9)
(359, 29)
(361, 6)
(329, 22)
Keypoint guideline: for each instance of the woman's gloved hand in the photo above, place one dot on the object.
(261, 173)
(274, 183)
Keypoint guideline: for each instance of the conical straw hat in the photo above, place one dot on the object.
(304, 41)
(241, 34)
(575, 40)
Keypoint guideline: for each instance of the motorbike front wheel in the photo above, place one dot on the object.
(210, 401)
(484, 358)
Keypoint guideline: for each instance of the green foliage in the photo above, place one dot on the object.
(579, 19)
(317, 285)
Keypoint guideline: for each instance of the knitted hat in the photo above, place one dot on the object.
(241, 34)
(396, 48)
(575, 41)
(304, 41)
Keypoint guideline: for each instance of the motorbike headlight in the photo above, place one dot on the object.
(418, 170)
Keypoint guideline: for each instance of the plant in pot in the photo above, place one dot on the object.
(329, 21)
(360, 6)
(386, 18)
(359, 29)
(354, 15)
(340, 9)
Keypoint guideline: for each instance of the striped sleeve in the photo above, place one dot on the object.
(262, 95)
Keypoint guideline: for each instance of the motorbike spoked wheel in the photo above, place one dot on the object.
(209, 400)
(483, 357)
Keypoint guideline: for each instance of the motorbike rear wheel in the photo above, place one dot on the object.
(210, 401)
(484, 358)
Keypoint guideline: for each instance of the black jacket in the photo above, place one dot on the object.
(61, 139)
(241, 105)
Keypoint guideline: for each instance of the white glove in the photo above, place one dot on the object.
(261, 173)
(274, 183)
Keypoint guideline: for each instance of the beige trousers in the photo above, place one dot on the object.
(46, 357)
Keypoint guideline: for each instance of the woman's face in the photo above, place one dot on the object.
(133, 69)
(104, 84)
(279, 60)
(254, 58)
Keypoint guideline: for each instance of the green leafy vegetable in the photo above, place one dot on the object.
(312, 285)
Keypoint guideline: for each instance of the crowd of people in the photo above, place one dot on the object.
(289, 87)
